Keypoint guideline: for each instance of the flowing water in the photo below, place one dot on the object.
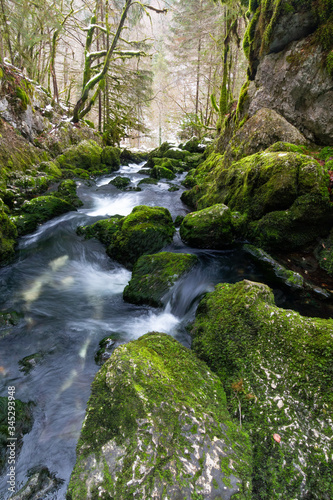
(69, 295)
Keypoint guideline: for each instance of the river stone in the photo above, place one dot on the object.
(276, 368)
(159, 172)
(85, 155)
(154, 275)
(120, 182)
(23, 425)
(67, 191)
(157, 427)
(111, 157)
(208, 228)
(40, 485)
(103, 229)
(8, 235)
(146, 230)
(39, 210)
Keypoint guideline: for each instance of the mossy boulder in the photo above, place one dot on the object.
(127, 156)
(154, 275)
(176, 154)
(23, 425)
(103, 230)
(169, 163)
(162, 173)
(261, 183)
(209, 228)
(8, 236)
(157, 426)
(270, 265)
(146, 230)
(39, 210)
(276, 368)
(106, 347)
(194, 145)
(309, 217)
(85, 155)
(324, 254)
(148, 180)
(67, 191)
(120, 182)
(111, 157)
(50, 168)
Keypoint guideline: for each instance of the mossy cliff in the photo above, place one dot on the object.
(289, 47)
(276, 368)
(157, 427)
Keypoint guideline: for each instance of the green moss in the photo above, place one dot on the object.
(103, 230)
(208, 228)
(148, 180)
(40, 210)
(146, 230)
(50, 168)
(86, 155)
(8, 236)
(111, 157)
(120, 182)
(67, 191)
(309, 217)
(276, 368)
(162, 173)
(24, 98)
(145, 400)
(23, 424)
(324, 254)
(154, 275)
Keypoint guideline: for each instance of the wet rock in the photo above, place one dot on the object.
(212, 227)
(85, 155)
(103, 230)
(67, 191)
(157, 426)
(148, 180)
(162, 173)
(178, 220)
(23, 425)
(39, 210)
(111, 157)
(127, 156)
(154, 275)
(106, 347)
(30, 362)
(8, 235)
(194, 145)
(40, 485)
(290, 278)
(120, 182)
(276, 369)
(146, 230)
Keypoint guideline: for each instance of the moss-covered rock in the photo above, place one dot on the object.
(8, 235)
(106, 347)
(310, 217)
(148, 180)
(162, 173)
(209, 228)
(176, 154)
(41, 484)
(154, 275)
(288, 277)
(67, 191)
(178, 220)
(85, 155)
(127, 156)
(324, 254)
(28, 363)
(103, 230)
(120, 182)
(169, 163)
(276, 367)
(21, 414)
(146, 230)
(111, 157)
(157, 427)
(194, 145)
(261, 183)
(50, 168)
(39, 210)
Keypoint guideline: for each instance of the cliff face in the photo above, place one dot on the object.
(289, 46)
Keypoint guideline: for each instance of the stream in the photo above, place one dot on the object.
(69, 294)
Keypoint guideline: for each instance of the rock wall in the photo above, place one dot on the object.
(289, 47)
